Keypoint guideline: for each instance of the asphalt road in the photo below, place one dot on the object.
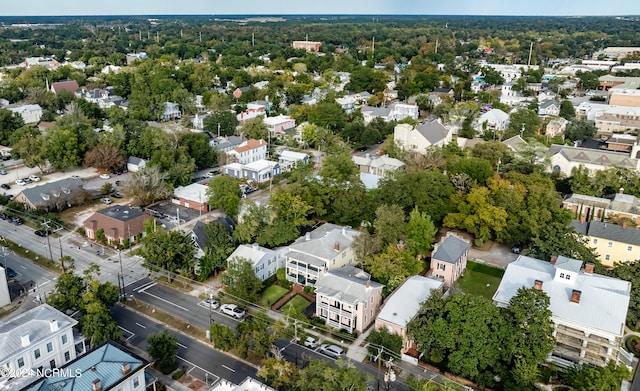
(186, 307)
(73, 245)
(198, 359)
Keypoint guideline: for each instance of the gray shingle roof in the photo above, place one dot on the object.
(432, 131)
(348, 284)
(121, 213)
(598, 229)
(592, 156)
(322, 241)
(64, 188)
(451, 249)
(35, 323)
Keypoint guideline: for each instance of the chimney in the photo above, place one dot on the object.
(96, 385)
(575, 296)
(26, 341)
(588, 268)
(336, 246)
(54, 326)
(126, 368)
(307, 236)
(537, 285)
(621, 190)
(553, 260)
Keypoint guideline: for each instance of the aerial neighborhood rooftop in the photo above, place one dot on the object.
(252, 203)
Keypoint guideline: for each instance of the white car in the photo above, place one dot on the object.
(34, 178)
(332, 351)
(105, 176)
(233, 310)
(21, 182)
(311, 343)
(212, 303)
(106, 200)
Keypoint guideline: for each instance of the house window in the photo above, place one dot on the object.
(595, 241)
(52, 363)
(36, 353)
(441, 266)
(371, 299)
(561, 275)
(610, 244)
(67, 356)
(20, 362)
(49, 347)
(136, 382)
(568, 277)
(607, 257)
(629, 248)
(64, 339)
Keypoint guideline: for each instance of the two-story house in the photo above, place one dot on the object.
(328, 247)
(109, 366)
(417, 139)
(618, 205)
(30, 114)
(346, 298)
(377, 165)
(118, 223)
(265, 262)
(279, 125)
(449, 258)
(613, 243)
(588, 310)
(403, 305)
(249, 151)
(549, 108)
(41, 338)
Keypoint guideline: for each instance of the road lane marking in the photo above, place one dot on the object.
(127, 331)
(200, 368)
(142, 287)
(226, 367)
(24, 267)
(165, 300)
(141, 325)
(181, 345)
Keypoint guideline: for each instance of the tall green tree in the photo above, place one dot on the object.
(420, 233)
(167, 251)
(321, 375)
(224, 192)
(163, 349)
(477, 215)
(567, 111)
(390, 224)
(241, 281)
(219, 246)
(590, 378)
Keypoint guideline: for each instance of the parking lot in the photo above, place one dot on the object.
(168, 214)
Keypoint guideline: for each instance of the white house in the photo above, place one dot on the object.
(260, 171)
(277, 126)
(290, 159)
(30, 114)
(135, 164)
(418, 139)
(265, 262)
(495, 119)
(42, 337)
(588, 310)
(347, 103)
(549, 108)
(565, 158)
(171, 112)
(249, 151)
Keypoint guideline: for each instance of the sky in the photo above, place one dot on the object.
(280, 7)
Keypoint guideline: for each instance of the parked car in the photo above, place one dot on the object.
(212, 302)
(10, 273)
(516, 249)
(27, 180)
(117, 194)
(42, 232)
(4, 216)
(21, 182)
(34, 178)
(5, 186)
(233, 310)
(16, 221)
(311, 343)
(332, 351)
(105, 176)
(6, 158)
(106, 200)
(118, 183)
(3, 172)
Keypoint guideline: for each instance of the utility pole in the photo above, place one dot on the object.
(46, 226)
(530, 52)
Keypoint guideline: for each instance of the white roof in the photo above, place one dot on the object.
(192, 192)
(273, 121)
(293, 156)
(495, 115)
(36, 323)
(603, 301)
(404, 303)
(370, 181)
(23, 108)
(253, 253)
(259, 165)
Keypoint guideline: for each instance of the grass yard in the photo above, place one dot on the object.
(480, 279)
(271, 295)
(298, 302)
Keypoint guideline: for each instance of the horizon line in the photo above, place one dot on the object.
(321, 15)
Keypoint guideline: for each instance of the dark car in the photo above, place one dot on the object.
(4, 216)
(43, 233)
(6, 158)
(5, 186)
(516, 249)
(10, 273)
(117, 194)
(16, 221)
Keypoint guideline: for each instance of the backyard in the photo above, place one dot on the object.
(272, 294)
(480, 279)
(298, 303)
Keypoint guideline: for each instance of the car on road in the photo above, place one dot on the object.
(27, 180)
(3, 172)
(75, 176)
(213, 303)
(332, 351)
(21, 182)
(4, 216)
(10, 273)
(5, 186)
(16, 221)
(34, 178)
(311, 343)
(233, 310)
(105, 176)
(106, 200)
(42, 232)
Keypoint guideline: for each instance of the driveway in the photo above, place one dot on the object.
(497, 254)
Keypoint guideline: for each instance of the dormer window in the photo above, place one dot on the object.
(561, 275)
(568, 277)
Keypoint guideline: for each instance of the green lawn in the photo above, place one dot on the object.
(298, 302)
(271, 295)
(480, 279)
